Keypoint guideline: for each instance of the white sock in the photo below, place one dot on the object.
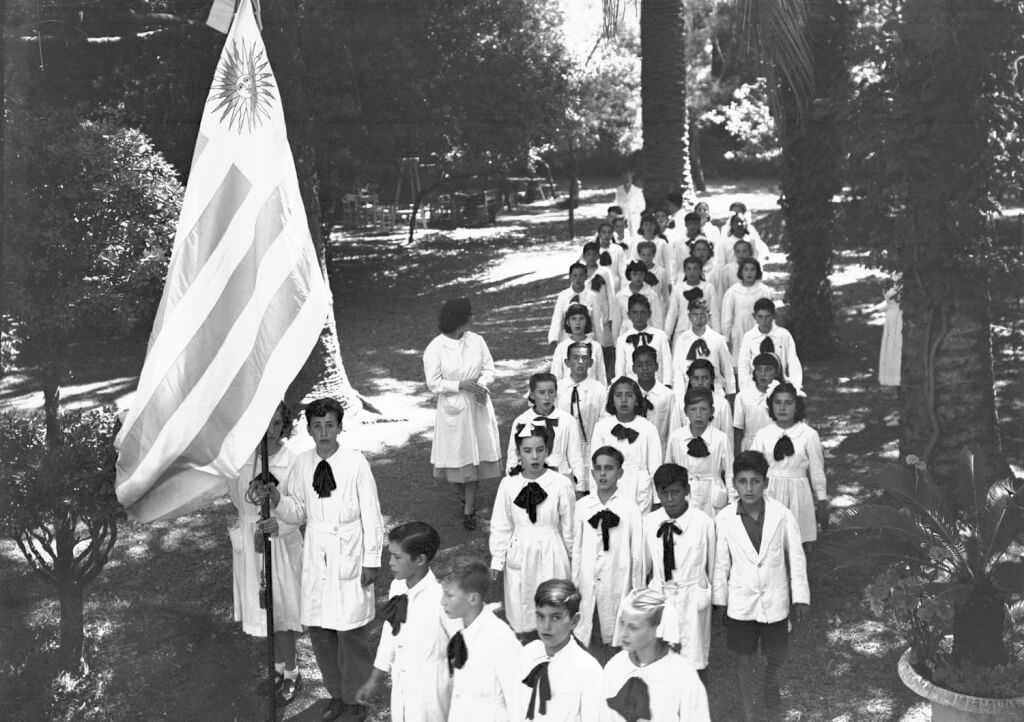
(279, 667)
(291, 673)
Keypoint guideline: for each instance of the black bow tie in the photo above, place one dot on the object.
(767, 346)
(698, 349)
(605, 259)
(641, 338)
(537, 680)
(574, 403)
(323, 479)
(671, 224)
(395, 611)
(668, 546)
(457, 652)
(696, 448)
(633, 701)
(608, 520)
(650, 279)
(620, 432)
(547, 421)
(529, 497)
(783, 448)
(693, 294)
(645, 405)
(575, 298)
(622, 245)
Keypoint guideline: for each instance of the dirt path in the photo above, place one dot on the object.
(159, 617)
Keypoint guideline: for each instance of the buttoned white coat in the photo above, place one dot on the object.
(754, 585)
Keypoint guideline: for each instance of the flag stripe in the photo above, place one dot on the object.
(205, 447)
(214, 221)
(201, 349)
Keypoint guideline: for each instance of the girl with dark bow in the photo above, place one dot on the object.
(647, 680)
(796, 461)
(531, 527)
(636, 438)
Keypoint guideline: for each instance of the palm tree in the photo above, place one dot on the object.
(950, 72)
(666, 150)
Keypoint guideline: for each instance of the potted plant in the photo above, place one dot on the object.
(948, 587)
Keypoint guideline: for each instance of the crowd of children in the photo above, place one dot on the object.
(647, 489)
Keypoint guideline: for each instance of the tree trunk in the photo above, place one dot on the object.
(947, 67)
(696, 167)
(51, 407)
(666, 151)
(72, 627)
(812, 160)
(283, 28)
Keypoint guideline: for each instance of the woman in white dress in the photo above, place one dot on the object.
(738, 305)
(889, 358)
(285, 552)
(459, 368)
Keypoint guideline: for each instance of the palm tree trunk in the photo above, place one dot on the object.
(812, 157)
(666, 152)
(949, 59)
(324, 371)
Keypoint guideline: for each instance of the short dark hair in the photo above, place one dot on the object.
(542, 377)
(615, 210)
(646, 244)
(692, 261)
(416, 538)
(287, 418)
(787, 388)
(577, 309)
(701, 363)
(764, 304)
(324, 406)
(469, 574)
(767, 359)
(577, 264)
(608, 451)
(580, 346)
(669, 474)
(638, 299)
(750, 460)
(645, 351)
(560, 594)
(705, 241)
(454, 313)
(603, 225)
(692, 217)
(591, 246)
(749, 262)
(693, 396)
(635, 267)
(738, 207)
(641, 409)
(745, 242)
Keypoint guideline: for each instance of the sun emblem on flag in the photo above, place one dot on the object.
(243, 88)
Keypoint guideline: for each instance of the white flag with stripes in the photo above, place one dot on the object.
(243, 304)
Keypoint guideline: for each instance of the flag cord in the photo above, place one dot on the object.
(269, 581)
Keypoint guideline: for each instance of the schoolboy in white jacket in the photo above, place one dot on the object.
(757, 538)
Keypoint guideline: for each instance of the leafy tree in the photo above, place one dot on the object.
(91, 209)
(58, 505)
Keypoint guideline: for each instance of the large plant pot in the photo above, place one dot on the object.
(949, 706)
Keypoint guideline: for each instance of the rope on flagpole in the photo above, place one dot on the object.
(268, 590)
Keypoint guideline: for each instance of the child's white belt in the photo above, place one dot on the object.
(335, 529)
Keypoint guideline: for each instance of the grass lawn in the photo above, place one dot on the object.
(161, 643)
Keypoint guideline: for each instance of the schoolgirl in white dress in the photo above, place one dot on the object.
(531, 527)
(738, 305)
(634, 436)
(285, 553)
(796, 461)
(752, 402)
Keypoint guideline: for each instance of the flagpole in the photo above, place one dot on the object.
(268, 584)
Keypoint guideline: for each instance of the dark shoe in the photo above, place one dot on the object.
(290, 688)
(263, 688)
(355, 713)
(469, 522)
(334, 710)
